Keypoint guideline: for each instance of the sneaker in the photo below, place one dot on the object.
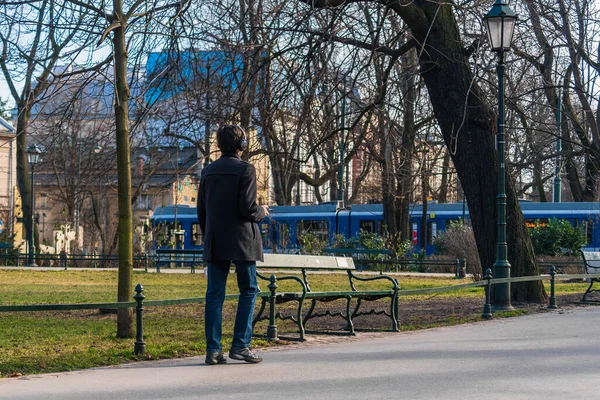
(215, 357)
(244, 354)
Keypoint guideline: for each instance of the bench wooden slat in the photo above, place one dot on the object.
(294, 261)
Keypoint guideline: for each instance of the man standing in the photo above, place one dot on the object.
(228, 216)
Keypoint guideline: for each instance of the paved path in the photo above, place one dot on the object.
(543, 356)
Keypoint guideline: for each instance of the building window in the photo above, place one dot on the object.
(42, 201)
(143, 202)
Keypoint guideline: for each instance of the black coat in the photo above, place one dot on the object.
(227, 211)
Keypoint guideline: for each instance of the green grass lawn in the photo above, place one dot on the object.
(37, 342)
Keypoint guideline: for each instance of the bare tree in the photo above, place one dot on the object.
(34, 36)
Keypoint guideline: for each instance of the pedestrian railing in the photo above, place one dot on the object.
(74, 260)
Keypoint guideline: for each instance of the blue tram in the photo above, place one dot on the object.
(280, 231)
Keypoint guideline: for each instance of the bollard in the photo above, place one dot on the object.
(461, 268)
(552, 301)
(487, 307)
(140, 346)
(272, 328)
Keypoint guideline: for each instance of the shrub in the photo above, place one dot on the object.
(557, 237)
(311, 244)
(372, 241)
(458, 241)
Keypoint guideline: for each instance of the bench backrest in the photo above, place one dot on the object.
(591, 259)
(293, 261)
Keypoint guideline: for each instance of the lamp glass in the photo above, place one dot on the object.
(33, 153)
(500, 32)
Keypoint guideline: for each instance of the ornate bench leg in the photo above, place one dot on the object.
(313, 303)
(263, 304)
(394, 313)
(588, 291)
(358, 303)
(300, 320)
(349, 325)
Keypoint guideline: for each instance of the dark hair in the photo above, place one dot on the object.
(230, 138)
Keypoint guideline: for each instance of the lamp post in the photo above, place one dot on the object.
(557, 194)
(33, 157)
(500, 23)
(342, 144)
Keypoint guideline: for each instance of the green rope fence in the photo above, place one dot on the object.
(139, 304)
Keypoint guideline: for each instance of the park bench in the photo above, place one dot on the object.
(184, 257)
(306, 264)
(591, 262)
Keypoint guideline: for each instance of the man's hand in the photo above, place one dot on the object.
(266, 209)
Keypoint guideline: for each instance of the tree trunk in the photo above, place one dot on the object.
(125, 289)
(23, 177)
(405, 169)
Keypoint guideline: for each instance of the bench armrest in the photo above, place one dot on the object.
(287, 277)
(352, 276)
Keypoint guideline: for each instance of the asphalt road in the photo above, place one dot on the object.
(544, 356)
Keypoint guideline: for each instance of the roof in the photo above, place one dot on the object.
(6, 126)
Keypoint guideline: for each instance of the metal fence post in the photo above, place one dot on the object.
(487, 307)
(461, 268)
(139, 346)
(552, 301)
(272, 328)
(146, 262)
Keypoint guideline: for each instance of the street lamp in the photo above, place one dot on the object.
(33, 157)
(342, 144)
(500, 23)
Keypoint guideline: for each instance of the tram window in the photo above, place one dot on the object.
(265, 232)
(179, 236)
(431, 232)
(414, 233)
(165, 234)
(196, 235)
(587, 228)
(175, 238)
(283, 234)
(318, 228)
(367, 226)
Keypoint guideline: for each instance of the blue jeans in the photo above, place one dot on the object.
(215, 295)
